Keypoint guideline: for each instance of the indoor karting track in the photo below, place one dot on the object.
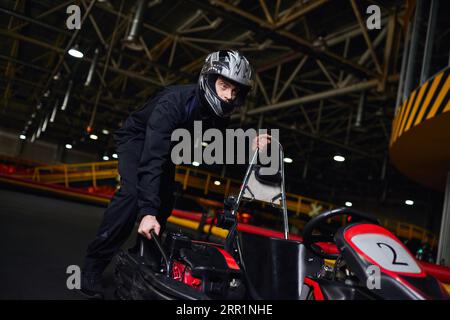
(41, 237)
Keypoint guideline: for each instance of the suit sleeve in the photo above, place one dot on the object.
(156, 152)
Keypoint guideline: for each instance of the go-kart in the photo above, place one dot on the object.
(368, 261)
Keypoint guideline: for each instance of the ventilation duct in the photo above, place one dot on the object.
(131, 41)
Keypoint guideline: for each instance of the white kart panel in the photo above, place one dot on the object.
(386, 252)
(262, 192)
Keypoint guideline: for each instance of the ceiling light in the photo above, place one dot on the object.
(348, 204)
(39, 130)
(22, 137)
(67, 95)
(55, 109)
(93, 137)
(195, 164)
(115, 156)
(75, 52)
(104, 131)
(106, 158)
(92, 67)
(409, 202)
(68, 146)
(288, 160)
(339, 158)
(44, 124)
(217, 183)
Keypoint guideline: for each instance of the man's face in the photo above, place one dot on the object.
(225, 89)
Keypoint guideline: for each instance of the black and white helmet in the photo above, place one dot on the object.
(233, 66)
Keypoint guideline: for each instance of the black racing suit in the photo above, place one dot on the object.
(145, 167)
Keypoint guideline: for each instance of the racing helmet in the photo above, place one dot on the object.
(234, 67)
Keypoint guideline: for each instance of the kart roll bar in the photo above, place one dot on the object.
(244, 185)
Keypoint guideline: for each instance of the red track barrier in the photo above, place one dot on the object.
(327, 247)
(441, 273)
(195, 216)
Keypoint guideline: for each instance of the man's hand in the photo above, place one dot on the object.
(261, 141)
(148, 223)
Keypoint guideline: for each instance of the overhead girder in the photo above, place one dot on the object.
(141, 78)
(259, 26)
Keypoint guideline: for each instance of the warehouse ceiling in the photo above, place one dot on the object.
(327, 82)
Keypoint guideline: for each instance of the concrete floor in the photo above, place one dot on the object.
(40, 237)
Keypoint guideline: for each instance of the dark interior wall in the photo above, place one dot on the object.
(39, 151)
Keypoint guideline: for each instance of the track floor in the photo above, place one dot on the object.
(40, 237)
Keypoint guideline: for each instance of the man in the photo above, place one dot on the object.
(144, 148)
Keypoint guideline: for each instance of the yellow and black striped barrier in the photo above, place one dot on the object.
(428, 101)
(420, 137)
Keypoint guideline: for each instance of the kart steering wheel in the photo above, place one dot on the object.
(310, 240)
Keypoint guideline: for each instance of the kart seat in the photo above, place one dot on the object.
(206, 262)
(264, 185)
(275, 268)
(266, 176)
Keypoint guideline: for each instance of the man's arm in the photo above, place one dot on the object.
(156, 152)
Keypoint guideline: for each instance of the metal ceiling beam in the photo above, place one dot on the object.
(24, 63)
(72, 117)
(19, 36)
(300, 12)
(259, 26)
(102, 75)
(365, 56)
(44, 14)
(326, 73)
(34, 21)
(59, 50)
(140, 79)
(388, 51)
(321, 138)
(366, 35)
(330, 40)
(129, 18)
(10, 67)
(291, 78)
(69, 44)
(269, 17)
(319, 96)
